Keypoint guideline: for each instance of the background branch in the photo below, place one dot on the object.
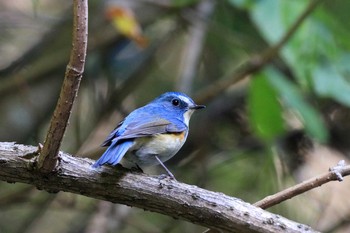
(304, 186)
(198, 20)
(178, 200)
(256, 62)
(48, 157)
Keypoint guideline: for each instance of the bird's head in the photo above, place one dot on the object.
(178, 102)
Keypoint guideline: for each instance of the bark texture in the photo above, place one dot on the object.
(75, 68)
(119, 185)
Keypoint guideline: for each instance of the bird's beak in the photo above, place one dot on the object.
(196, 107)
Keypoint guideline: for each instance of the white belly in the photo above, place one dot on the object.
(165, 146)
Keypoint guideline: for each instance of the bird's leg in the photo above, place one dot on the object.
(165, 168)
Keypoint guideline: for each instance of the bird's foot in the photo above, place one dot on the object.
(166, 176)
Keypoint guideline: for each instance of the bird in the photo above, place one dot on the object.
(152, 134)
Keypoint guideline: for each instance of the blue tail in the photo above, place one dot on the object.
(114, 153)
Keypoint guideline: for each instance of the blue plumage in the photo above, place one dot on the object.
(153, 133)
(114, 153)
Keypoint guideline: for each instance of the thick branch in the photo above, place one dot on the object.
(256, 63)
(335, 173)
(49, 155)
(178, 200)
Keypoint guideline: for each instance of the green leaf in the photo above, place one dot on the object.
(183, 3)
(265, 111)
(292, 96)
(244, 4)
(273, 18)
(328, 82)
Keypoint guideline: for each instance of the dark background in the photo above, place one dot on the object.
(278, 126)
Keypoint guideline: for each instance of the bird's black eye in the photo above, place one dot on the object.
(175, 102)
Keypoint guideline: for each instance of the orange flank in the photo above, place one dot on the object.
(181, 135)
(124, 20)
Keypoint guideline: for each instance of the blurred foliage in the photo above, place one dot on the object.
(235, 145)
(292, 97)
(261, 114)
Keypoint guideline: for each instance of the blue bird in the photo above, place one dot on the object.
(152, 134)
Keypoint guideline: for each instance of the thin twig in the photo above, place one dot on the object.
(335, 173)
(256, 63)
(49, 154)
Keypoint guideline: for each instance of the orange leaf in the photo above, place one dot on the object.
(124, 20)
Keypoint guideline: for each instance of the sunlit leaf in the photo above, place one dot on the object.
(328, 82)
(265, 111)
(245, 4)
(273, 18)
(124, 20)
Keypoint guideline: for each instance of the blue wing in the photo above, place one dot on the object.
(144, 123)
(137, 124)
(114, 153)
(112, 135)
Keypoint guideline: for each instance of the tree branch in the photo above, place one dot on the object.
(335, 173)
(256, 63)
(178, 200)
(75, 68)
